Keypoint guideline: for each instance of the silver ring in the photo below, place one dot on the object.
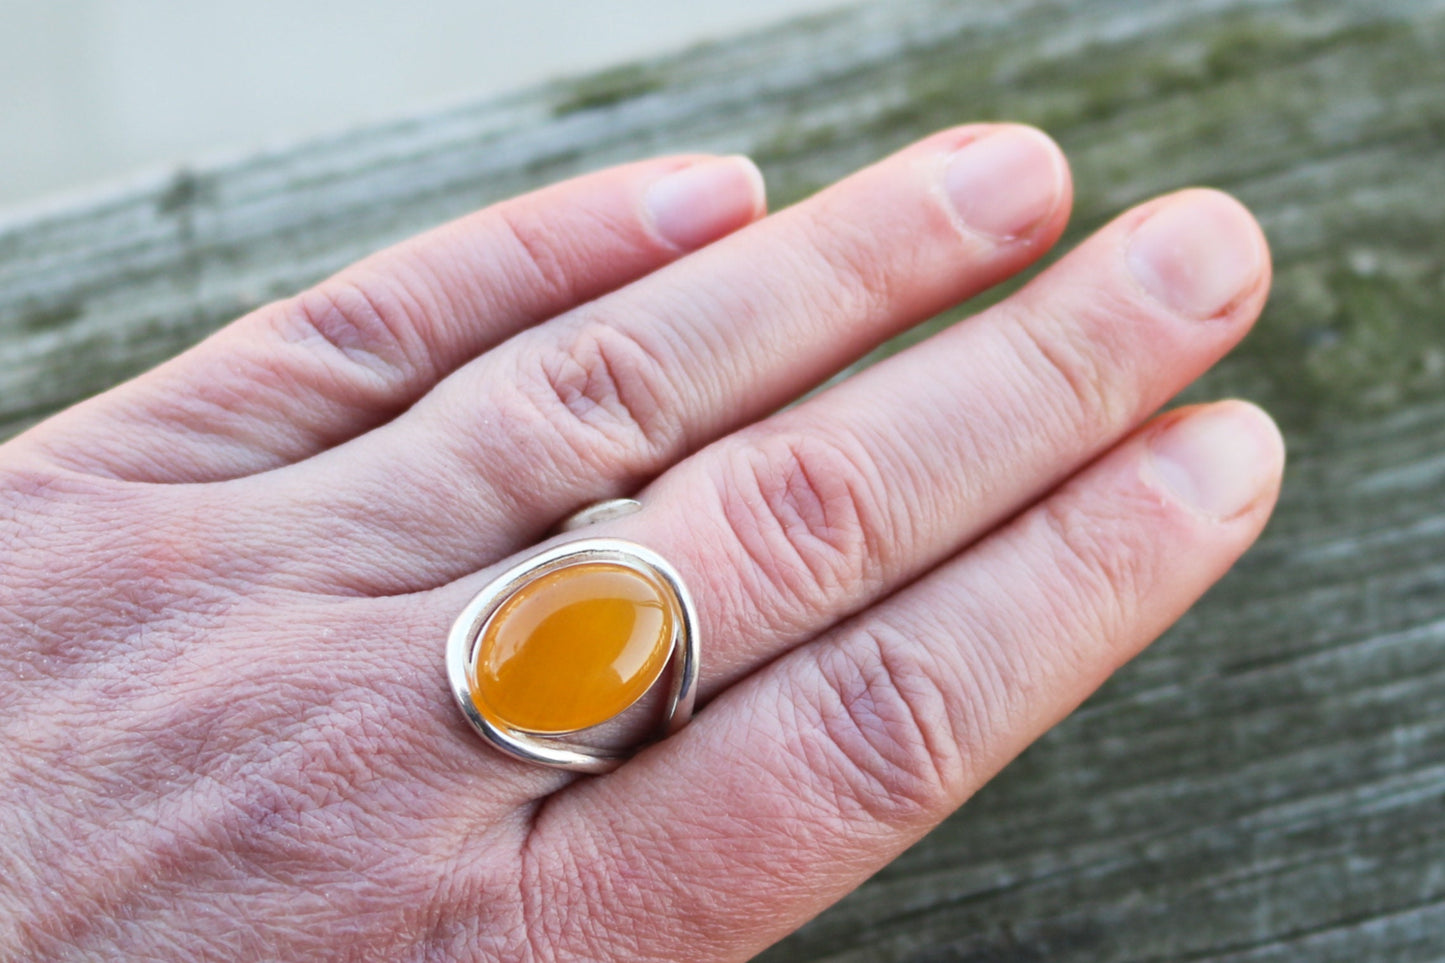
(575, 605)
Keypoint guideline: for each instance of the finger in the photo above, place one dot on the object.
(300, 375)
(815, 513)
(794, 787)
(593, 404)
(812, 515)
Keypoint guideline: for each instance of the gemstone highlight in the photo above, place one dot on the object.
(574, 647)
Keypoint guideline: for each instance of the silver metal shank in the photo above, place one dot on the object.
(465, 637)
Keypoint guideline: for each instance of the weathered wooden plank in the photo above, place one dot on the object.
(1267, 783)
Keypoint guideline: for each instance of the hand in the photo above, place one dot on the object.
(225, 731)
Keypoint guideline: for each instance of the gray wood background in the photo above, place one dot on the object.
(1268, 782)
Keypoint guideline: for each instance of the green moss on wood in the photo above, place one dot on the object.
(608, 87)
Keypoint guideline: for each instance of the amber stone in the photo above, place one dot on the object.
(573, 648)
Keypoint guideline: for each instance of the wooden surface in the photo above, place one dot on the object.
(1268, 782)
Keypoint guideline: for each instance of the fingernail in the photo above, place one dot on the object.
(1218, 460)
(705, 201)
(1198, 255)
(1005, 184)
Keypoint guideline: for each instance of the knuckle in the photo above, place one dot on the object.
(547, 270)
(607, 395)
(1102, 567)
(864, 280)
(808, 517)
(1073, 366)
(366, 329)
(889, 728)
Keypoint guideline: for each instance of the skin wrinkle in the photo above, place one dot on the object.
(478, 903)
(133, 584)
(412, 530)
(741, 877)
(210, 416)
(558, 919)
(226, 822)
(363, 331)
(557, 252)
(269, 677)
(553, 256)
(549, 466)
(626, 852)
(291, 573)
(800, 514)
(211, 419)
(606, 381)
(671, 341)
(1083, 371)
(998, 676)
(123, 624)
(547, 271)
(845, 261)
(889, 749)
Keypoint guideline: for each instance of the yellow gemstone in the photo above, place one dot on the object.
(574, 647)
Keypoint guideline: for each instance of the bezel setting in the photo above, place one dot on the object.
(681, 667)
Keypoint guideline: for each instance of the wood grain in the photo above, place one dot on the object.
(1268, 782)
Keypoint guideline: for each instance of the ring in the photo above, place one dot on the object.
(568, 640)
